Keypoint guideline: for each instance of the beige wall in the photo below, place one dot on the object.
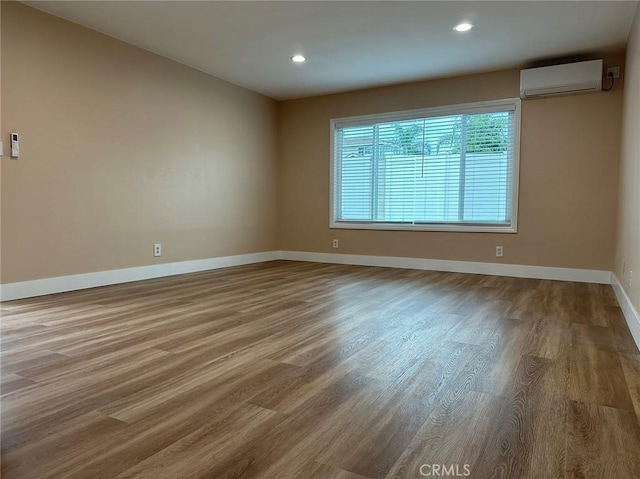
(628, 244)
(568, 175)
(121, 149)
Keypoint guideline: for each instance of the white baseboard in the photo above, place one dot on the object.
(494, 269)
(39, 287)
(629, 311)
(60, 284)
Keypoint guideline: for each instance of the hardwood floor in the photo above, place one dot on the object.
(301, 370)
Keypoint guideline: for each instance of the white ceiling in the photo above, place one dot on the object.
(354, 44)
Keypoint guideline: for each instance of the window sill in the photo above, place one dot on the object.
(452, 228)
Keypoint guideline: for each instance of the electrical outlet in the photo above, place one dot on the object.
(499, 251)
(335, 243)
(613, 72)
(157, 249)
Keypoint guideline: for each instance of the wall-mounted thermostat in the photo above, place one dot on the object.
(15, 146)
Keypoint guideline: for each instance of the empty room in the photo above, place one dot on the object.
(320, 239)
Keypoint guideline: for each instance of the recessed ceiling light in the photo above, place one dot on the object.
(298, 59)
(463, 27)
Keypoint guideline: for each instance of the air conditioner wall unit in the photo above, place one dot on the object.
(567, 79)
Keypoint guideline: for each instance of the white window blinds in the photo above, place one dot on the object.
(455, 168)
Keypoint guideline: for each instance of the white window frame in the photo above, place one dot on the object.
(465, 108)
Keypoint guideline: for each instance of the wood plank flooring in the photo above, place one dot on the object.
(311, 371)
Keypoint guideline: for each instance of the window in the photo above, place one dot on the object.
(452, 169)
